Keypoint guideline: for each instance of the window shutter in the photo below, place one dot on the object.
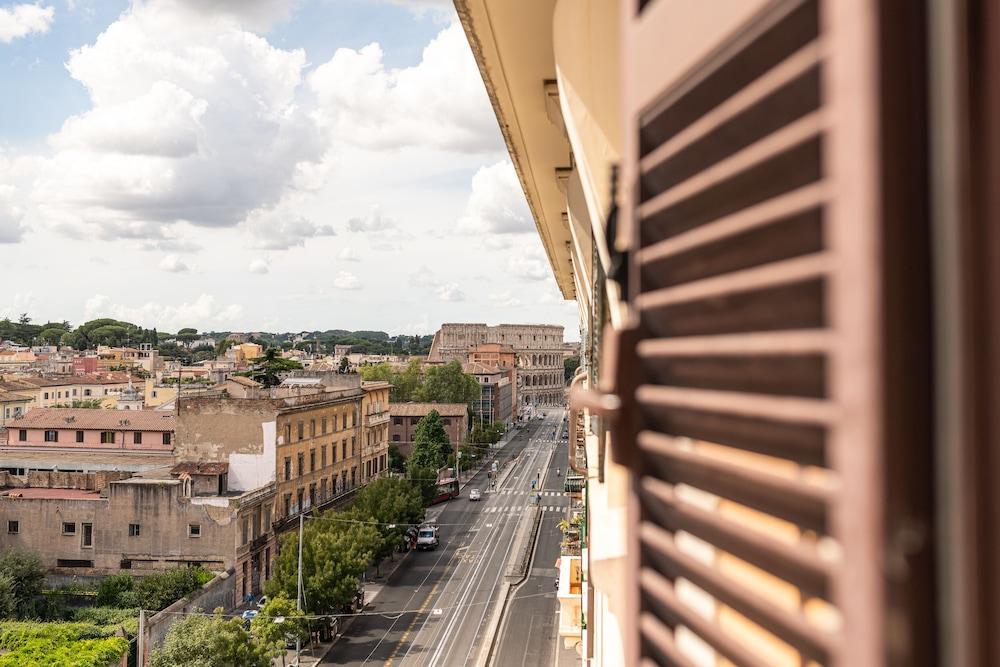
(750, 382)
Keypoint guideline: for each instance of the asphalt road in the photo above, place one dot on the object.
(434, 606)
(529, 634)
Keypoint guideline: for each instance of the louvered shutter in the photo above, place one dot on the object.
(750, 385)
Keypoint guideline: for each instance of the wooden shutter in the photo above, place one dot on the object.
(750, 381)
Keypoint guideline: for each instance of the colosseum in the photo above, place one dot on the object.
(538, 349)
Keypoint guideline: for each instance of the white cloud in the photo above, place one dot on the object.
(283, 226)
(21, 20)
(348, 254)
(420, 7)
(530, 264)
(170, 245)
(496, 204)
(174, 264)
(383, 232)
(373, 222)
(441, 102)
(346, 280)
(505, 299)
(424, 277)
(22, 302)
(450, 292)
(202, 313)
(11, 215)
(259, 266)
(191, 119)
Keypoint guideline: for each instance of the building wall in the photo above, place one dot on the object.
(402, 429)
(375, 415)
(67, 439)
(162, 514)
(300, 433)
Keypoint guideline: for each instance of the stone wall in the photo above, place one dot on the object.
(219, 592)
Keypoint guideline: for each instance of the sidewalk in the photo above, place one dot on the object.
(373, 585)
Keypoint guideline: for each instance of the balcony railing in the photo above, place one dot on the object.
(377, 418)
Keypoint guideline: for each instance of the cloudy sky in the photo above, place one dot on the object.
(265, 164)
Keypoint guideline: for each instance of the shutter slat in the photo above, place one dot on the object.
(659, 638)
(805, 60)
(774, 408)
(795, 134)
(658, 546)
(663, 600)
(795, 202)
(777, 274)
(791, 500)
(771, 342)
(799, 564)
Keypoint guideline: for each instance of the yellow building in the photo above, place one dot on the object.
(375, 429)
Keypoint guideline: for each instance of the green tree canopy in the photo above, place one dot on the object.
(267, 369)
(25, 578)
(391, 505)
(570, 364)
(278, 621)
(431, 446)
(52, 335)
(334, 555)
(211, 641)
(447, 383)
(405, 383)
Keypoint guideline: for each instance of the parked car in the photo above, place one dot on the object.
(475, 494)
(262, 601)
(248, 616)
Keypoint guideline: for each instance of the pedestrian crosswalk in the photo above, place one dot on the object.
(514, 492)
(513, 509)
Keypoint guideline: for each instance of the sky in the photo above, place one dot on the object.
(258, 165)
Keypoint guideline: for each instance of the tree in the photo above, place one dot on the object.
(405, 383)
(344, 364)
(187, 334)
(391, 505)
(278, 621)
(8, 602)
(267, 369)
(334, 555)
(26, 577)
(211, 641)
(570, 364)
(52, 335)
(431, 446)
(396, 460)
(448, 384)
(423, 479)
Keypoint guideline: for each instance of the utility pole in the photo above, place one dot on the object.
(298, 594)
(141, 648)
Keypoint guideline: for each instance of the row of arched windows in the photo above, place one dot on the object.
(543, 360)
(543, 379)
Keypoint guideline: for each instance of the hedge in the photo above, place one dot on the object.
(59, 645)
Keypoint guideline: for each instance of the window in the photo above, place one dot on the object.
(288, 433)
(312, 460)
(74, 392)
(301, 430)
(447, 421)
(301, 464)
(154, 393)
(343, 446)
(87, 540)
(298, 498)
(354, 444)
(79, 436)
(166, 438)
(194, 530)
(345, 420)
(68, 528)
(333, 452)
(46, 395)
(397, 421)
(13, 527)
(107, 437)
(244, 532)
(395, 437)
(323, 426)
(133, 530)
(137, 438)
(288, 504)
(322, 456)
(22, 435)
(288, 468)
(312, 428)
(87, 392)
(51, 436)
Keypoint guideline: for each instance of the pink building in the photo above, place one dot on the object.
(69, 428)
(84, 365)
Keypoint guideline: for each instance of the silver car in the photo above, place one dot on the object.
(475, 494)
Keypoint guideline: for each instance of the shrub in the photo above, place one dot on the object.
(58, 645)
(24, 577)
(154, 591)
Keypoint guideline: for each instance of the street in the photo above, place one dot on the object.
(434, 608)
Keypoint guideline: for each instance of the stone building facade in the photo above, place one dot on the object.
(406, 417)
(538, 350)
